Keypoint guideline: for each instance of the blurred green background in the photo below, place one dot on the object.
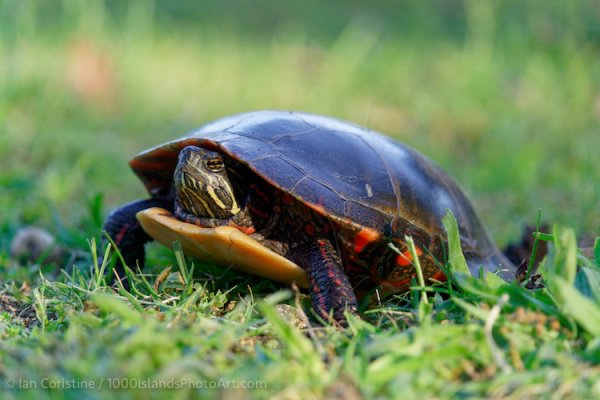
(505, 95)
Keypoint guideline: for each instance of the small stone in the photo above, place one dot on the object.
(36, 245)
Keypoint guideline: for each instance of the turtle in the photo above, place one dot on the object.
(304, 198)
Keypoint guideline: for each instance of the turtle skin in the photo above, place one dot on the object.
(335, 198)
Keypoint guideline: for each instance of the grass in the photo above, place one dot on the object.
(507, 93)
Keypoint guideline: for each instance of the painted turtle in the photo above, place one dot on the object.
(305, 198)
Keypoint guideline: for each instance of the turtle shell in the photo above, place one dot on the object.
(348, 173)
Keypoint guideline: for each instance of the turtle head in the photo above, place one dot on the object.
(202, 185)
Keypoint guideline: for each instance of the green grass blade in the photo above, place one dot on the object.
(536, 241)
(477, 312)
(597, 251)
(299, 346)
(105, 261)
(591, 276)
(456, 258)
(40, 308)
(564, 257)
(180, 260)
(576, 305)
(415, 262)
(113, 305)
(186, 274)
(193, 298)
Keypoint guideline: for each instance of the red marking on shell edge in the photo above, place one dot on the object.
(321, 201)
(248, 230)
(364, 237)
(318, 208)
(405, 259)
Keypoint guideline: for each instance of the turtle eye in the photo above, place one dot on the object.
(215, 164)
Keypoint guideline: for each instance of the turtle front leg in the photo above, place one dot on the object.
(330, 288)
(126, 231)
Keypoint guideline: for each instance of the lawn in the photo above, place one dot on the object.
(504, 95)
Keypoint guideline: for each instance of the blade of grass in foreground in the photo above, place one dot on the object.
(560, 278)
(563, 258)
(457, 263)
(113, 305)
(299, 346)
(576, 305)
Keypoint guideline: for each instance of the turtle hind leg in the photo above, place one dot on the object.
(126, 231)
(330, 288)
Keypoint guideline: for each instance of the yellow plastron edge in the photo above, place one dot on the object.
(223, 245)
